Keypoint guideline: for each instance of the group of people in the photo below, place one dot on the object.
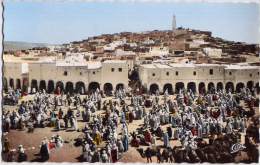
(187, 118)
(12, 97)
(20, 154)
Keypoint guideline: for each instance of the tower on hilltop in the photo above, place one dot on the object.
(173, 23)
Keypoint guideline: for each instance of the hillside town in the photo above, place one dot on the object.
(178, 95)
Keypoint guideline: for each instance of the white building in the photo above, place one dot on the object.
(211, 52)
(197, 77)
(70, 74)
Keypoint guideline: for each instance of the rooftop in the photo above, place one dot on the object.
(114, 61)
(176, 65)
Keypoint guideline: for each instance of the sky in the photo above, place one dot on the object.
(63, 22)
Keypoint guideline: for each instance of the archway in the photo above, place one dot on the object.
(211, 87)
(18, 84)
(239, 87)
(25, 84)
(179, 86)
(50, 86)
(42, 85)
(153, 88)
(202, 88)
(168, 87)
(250, 85)
(108, 87)
(34, 84)
(80, 88)
(229, 87)
(192, 86)
(60, 86)
(69, 87)
(93, 86)
(11, 83)
(219, 86)
(119, 86)
(5, 83)
(257, 87)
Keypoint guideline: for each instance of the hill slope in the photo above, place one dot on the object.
(15, 45)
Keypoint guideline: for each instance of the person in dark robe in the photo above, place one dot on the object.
(158, 155)
(66, 121)
(169, 131)
(114, 154)
(60, 114)
(7, 124)
(135, 142)
(131, 117)
(165, 155)
(96, 157)
(44, 152)
(148, 155)
(22, 156)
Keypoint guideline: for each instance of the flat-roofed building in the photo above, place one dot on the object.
(70, 74)
(197, 77)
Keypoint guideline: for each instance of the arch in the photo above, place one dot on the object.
(11, 83)
(60, 86)
(93, 86)
(50, 86)
(34, 84)
(202, 88)
(239, 86)
(168, 87)
(80, 87)
(42, 85)
(250, 85)
(69, 87)
(219, 86)
(153, 88)
(178, 86)
(119, 86)
(18, 83)
(25, 84)
(108, 87)
(211, 87)
(257, 88)
(192, 86)
(229, 86)
(5, 83)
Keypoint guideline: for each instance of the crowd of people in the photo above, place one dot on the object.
(206, 124)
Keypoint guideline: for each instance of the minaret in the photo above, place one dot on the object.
(173, 23)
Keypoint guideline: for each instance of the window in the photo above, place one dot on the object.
(230, 73)
(120, 69)
(250, 75)
(258, 73)
(112, 69)
(167, 73)
(153, 74)
(80, 73)
(211, 71)
(94, 72)
(194, 73)
(65, 73)
(176, 73)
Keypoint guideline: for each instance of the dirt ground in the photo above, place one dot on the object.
(68, 153)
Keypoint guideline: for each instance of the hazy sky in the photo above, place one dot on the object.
(62, 22)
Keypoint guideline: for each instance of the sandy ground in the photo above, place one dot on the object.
(69, 153)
